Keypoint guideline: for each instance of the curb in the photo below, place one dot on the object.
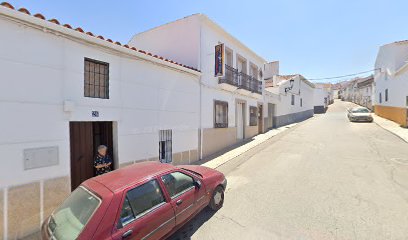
(282, 129)
(389, 130)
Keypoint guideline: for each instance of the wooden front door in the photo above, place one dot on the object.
(260, 119)
(85, 137)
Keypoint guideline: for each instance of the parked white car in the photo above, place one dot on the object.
(359, 114)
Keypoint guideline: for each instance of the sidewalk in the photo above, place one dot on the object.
(226, 157)
(391, 127)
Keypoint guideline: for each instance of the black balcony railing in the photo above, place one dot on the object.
(230, 77)
(241, 80)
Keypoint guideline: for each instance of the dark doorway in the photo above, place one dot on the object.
(260, 119)
(85, 137)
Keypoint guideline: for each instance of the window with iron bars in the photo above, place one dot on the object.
(165, 146)
(96, 79)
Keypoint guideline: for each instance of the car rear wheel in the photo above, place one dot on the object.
(217, 198)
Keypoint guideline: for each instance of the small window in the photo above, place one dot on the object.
(96, 79)
(406, 101)
(165, 146)
(380, 98)
(220, 114)
(386, 95)
(140, 200)
(293, 100)
(253, 116)
(301, 102)
(177, 182)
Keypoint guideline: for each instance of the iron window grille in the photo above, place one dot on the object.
(165, 146)
(96, 79)
(220, 114)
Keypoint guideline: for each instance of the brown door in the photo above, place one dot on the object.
(85, 137)
(260, 119)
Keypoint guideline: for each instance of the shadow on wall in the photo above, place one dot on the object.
(283, 120)
(188, 230)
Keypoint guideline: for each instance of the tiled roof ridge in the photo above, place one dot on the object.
(79, 29)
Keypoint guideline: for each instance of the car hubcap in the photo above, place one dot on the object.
(217, 198)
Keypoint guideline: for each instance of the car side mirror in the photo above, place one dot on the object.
(197, 184)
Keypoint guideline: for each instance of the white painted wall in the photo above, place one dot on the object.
(178, 40)
(320, 94)
(199, 30)
(392, 62)
(40, 74)
(301, 90)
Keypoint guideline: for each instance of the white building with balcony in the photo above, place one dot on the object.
(231, 105)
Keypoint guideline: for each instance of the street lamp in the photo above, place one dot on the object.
(290, 86)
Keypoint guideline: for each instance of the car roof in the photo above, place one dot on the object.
(121, 178)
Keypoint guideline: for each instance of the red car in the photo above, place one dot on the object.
(144, 201)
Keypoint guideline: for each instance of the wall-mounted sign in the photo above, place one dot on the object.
(95, 113)
(219, 60)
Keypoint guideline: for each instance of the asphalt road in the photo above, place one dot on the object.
(326, 178)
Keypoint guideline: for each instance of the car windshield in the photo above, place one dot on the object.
(70, 218)
(360, 110)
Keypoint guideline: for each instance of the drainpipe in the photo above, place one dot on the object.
(200, 137)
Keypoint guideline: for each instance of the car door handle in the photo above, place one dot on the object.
(179, 202)
(127, 234)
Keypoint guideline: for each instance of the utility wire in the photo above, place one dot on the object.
(343, 76)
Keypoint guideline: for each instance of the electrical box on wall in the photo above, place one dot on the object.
(40, 157)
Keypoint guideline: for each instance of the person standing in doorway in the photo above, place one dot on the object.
(102, 162)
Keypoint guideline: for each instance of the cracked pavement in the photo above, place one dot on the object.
(326, 178)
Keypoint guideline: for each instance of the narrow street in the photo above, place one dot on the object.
(326, 178)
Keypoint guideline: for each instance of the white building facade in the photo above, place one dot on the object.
(64, 93)
(391, 85)
(293, 98)
(321, 98)
(231, 106)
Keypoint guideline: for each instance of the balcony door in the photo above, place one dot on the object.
(241, 65)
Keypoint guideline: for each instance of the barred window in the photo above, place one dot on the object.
(96, 79)
(220, 114)
(253, 116)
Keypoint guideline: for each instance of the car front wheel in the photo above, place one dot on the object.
(217, 199)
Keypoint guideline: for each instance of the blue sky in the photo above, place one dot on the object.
(317, 38)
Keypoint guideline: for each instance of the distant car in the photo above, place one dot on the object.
(146, 200)
(359, 114)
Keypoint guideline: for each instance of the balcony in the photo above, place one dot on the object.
(230, 80)
(243, 83)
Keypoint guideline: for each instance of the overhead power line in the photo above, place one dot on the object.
(343, 76)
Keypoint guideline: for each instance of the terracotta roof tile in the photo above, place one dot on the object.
(67, 26)
(39, 15)
(54, 21)
(7, 5)
(23, 10)
(78, 29)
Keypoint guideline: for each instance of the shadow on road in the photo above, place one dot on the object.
(185, 232)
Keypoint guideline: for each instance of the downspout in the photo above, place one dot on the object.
(200, 137)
